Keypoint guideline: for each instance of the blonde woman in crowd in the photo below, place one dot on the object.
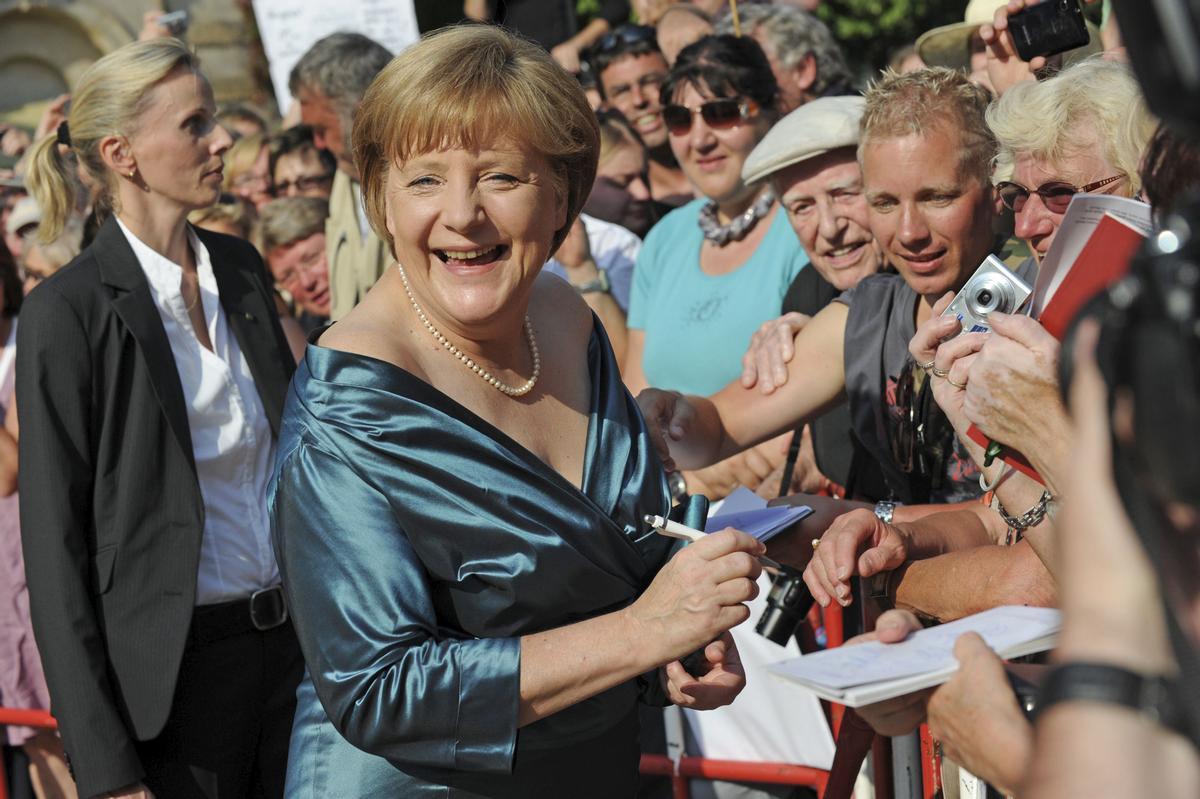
(150, 380)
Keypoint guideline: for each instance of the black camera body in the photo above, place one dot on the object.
(788, 603)
(1048, 28)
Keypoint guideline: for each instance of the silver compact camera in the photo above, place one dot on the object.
(993, 287)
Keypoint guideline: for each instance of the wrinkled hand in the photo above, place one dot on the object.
(54, 115)
(698, 595)
(903, 714)
(1016, 372)
(721, 679)
(668, 415)
(771, 349)
(937, 340)
(859, 543)
(976, 717)
(1005, 68)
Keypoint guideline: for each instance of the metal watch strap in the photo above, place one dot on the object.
(599, 284)
(1110, 685)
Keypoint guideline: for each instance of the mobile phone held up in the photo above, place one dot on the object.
(1048, 28)
(176, 22)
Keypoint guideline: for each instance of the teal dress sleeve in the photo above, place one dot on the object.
(361, 604)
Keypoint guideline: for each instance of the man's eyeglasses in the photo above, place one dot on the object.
(717, 114)
(1056, 195)
(624, 36)
(303, 184)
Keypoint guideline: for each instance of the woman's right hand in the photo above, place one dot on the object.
(668, 415)
(698, 595)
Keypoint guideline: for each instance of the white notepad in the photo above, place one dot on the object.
(871, 672)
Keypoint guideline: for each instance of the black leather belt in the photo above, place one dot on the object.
(263, 610)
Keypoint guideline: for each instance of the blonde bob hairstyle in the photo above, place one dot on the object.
(1091, 107)
(469, 86)
(928, 100)
(107, 100)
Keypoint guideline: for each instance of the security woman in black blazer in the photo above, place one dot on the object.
(151, 375)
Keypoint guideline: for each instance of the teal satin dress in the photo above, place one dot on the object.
(417, 543)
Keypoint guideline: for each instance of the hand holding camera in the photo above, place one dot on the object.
(1025, 33)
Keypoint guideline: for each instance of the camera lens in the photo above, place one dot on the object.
(984, 298)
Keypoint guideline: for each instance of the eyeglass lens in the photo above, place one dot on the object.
(719, 114)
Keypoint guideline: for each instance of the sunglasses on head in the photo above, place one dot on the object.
(717, 114)
(624, 36)
(1056, 195)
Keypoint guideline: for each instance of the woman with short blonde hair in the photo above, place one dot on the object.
(1084, 130)
(459, 497)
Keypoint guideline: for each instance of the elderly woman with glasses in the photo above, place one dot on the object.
(461, 486)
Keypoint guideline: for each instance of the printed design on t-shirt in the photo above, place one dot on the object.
(703, 312)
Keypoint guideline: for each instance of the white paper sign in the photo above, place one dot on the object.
(289, 27)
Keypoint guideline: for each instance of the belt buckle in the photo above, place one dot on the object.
(268, 608)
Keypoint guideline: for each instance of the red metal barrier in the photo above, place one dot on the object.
(21, 717)
(746, 770)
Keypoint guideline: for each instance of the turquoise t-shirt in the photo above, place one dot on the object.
(698, 326)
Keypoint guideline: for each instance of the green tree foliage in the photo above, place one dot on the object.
(871, 30)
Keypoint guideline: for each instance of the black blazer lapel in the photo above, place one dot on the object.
(133, 303)
(253, 323)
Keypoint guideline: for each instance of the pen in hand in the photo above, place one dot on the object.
(677, 530)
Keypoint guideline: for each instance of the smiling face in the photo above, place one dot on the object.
(631, 86)
(301, 269)
(712, 158)
(933, 223)
(824, 200)
(472, 230)
(178, 145)
(1036, 224)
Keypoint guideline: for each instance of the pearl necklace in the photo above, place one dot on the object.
(488, 377)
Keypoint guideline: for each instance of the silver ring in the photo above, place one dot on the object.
(925, 367)
(959, 386)
(939, 372)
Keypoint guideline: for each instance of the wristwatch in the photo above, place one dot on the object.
(1111, 685)
(599, 284)
(885, 510)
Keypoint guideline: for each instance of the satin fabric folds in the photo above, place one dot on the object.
(417, 542)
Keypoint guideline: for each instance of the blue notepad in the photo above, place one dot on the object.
(744, 510)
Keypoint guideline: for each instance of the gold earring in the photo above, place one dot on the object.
(131, 173)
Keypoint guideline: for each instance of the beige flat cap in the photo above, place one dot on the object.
(812, 129)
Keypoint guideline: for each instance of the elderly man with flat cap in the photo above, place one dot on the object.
(810, 158)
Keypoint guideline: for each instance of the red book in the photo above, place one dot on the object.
(1103, 261)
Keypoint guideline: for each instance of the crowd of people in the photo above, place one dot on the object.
(328, 443)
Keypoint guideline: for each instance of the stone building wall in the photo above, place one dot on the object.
(46, 44)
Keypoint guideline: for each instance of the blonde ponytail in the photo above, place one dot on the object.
(52, 184)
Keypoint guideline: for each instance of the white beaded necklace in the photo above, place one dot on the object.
(488, 377)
